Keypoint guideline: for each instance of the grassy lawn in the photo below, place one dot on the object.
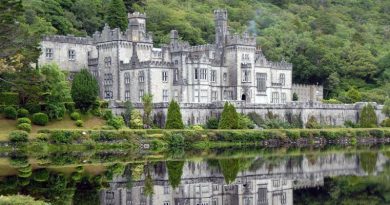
(90, 122)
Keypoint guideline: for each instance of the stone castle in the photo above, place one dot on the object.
(128, 66)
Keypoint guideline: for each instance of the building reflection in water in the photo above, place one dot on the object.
(261, 183)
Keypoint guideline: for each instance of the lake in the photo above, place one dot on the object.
(224, 176)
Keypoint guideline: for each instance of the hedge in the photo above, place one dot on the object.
(25, 127)
(23, 112)
(9, 98)
(24, 120)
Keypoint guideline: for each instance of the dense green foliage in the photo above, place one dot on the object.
(340, 44)
(23, 112)
(147, 101)
(229, 117)
(24, 126)
(23, 120)
(136, 120)
(10, 113)
(117, 122)
(368, 117)
(212, 123)
(117, 15)
(20, 200)
(175, 170)
(18, 136)
(174, 120)
(386, 108)
(9, 98)
(85, 90)
(40, 119)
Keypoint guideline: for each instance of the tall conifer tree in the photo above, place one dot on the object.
(85, 90)
(174, 120)
(117, 15)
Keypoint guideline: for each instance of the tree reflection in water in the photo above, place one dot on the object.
(255, 179)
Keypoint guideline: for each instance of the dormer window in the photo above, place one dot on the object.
(71, 54)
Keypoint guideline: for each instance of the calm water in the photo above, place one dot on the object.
(214, 177)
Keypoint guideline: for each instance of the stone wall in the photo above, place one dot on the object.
(307, 93)
(199, 113)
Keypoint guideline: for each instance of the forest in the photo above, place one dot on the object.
(341, 44)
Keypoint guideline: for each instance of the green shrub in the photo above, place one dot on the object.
(25, 127)
(60, 137)
(33, 108)
(212, 123)
(42, 137)
(8, 98)
(104, 104)
(362, 133)
(10, 113)
(331, 101)
(136, 121)
(108, 114)
(350, 124)
(41, 175)
(368, 117)
(385, 122)
(174, 120)
(256, 118)
(23, 112)
(18, 136)
(196, 127)
(75, 116)
(229, 117)
(40, 119)
(175, 140)
(244, 122)
(376, 133)
(79, 123)
(116, 122)
(328, 134)
(312, 123)
(24, 120)
(293, 134)
(70, 106)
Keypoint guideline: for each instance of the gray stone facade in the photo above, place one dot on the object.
(308, 93)
(127, 65)
(199, 113)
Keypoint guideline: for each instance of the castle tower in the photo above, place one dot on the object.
(221, 31)
(137, 25)
(220, 16)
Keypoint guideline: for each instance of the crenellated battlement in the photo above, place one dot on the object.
(244, 39)
(205, 47)
(136, 15)
(179, 46)
(69, 39)
(282, 65)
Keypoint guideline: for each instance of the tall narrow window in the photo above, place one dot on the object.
(203, 95)
(165, 95)
(49, 53)
(275, 97)
(107, 62)
(141, 76)
(71, 54)
(127, 95)
(203, 74)
(213, 75)
(224, 76)
(282, 79)
(261, 79)
(214, 95)
(127, 78)
(283, 98)
(164, 76)
(141, 94)
(196, 74)
(176, 75)
(246, 76)
(196, 95)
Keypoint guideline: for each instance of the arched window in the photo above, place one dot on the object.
(282, 79)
